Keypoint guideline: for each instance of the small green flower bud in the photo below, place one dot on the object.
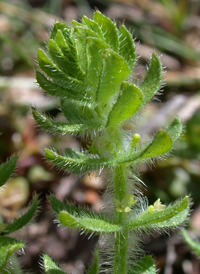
(158, 206)
(125, 204)
(135, 140)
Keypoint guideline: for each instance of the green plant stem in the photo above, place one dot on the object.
(120, 259)
(121, 241)
(120, 181)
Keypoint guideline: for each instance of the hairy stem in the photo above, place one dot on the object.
(121, 241)
(120, 181)
(120, 259)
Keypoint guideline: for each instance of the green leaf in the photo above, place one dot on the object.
(92, 25)
(62, 58)
(108, 29)
(153, 80)
(127, 47)
(87, 223)
(63, 36)
(161, 144)
(126, 106)
(53, 71)
(145, 265)
(94, 50)
(55, 89)
(80, 112)
(95, 268)
(24, 219)
(58, 206)
(50, 267)
(115, 70)
(175, 129)
(58, 26)
(80, 36)
(193, 244)
(62, 44)
(80, 164)
(7, 247)
(7, 169)
(171, 217)
(59, 59)
(76, 24)
(70, 56)
(75, 217)
(49, 67)
(49, 124)
(67, 34)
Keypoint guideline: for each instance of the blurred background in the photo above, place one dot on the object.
(170, 27)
